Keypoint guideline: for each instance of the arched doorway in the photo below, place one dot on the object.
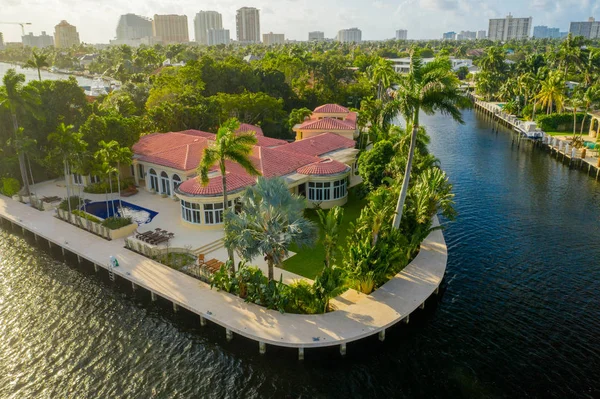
(153, 180)
(176, 181)
(165, 183)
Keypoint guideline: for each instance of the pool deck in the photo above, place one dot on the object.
(357, 317)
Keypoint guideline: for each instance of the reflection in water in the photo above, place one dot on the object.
(519, 312)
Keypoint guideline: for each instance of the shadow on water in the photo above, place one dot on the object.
(518, 313)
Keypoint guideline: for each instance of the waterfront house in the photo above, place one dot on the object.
(331, 118)
(320, 167)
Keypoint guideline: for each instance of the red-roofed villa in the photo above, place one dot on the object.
(328, 118)
(318, 167)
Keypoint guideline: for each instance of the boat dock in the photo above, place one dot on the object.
(360, 316)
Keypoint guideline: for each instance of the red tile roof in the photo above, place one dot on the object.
(246, 127)
(234, 181)
(184, 157)
(327, 124)
(324, 167)
(158, 142)
(264, 141)
(274, 162)
(319, 144)
(331, 109)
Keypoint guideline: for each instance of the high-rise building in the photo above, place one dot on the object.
(131, 27)
(544, 32)
(481, 34)
(40, 41)
(503, 29)
(589, 29)
(218, 36)
(65, 35)
(203, 22)
(316, 36)
(352, 35)
(273, 38)
(170, 28)
(401, 34)
(466, 35)
(247, 21)
(449, 36)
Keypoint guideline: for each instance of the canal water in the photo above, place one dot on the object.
(32, 74)
(518, 316)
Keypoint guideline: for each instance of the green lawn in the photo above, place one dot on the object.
(308, 262)
(569, 133)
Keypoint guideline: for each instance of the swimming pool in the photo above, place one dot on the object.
(137, 214)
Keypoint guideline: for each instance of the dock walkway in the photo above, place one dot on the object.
(369, 315)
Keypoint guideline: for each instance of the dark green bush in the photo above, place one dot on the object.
(75, 202)
(558, 122)
(115, 223)
(86, 216)
(9, 186)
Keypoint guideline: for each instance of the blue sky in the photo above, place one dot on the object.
(378, 19)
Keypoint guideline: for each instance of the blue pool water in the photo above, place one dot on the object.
(121, 208)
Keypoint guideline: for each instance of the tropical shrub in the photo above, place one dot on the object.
(558, 122)
(115, 223)
(372, 164)
(75, 203)
(9, 186)
(86, 216)
(302, 299)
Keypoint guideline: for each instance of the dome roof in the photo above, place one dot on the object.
(323, 167)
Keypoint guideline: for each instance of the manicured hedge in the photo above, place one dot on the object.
(115, 223)
(9, 186)
(559, 122)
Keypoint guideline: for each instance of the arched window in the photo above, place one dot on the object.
(153, 180)
(190, 212)
(165, 183)
(176, 181)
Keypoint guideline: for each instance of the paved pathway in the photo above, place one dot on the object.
(364, 316)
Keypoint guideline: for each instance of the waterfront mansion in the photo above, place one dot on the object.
(319, 165)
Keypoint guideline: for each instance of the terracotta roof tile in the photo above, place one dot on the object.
(184, 157)
(331, 109)
(319, 144)
(234, 181)
(327, 124)
(324, 167)
(246, 127)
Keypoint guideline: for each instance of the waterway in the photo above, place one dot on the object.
(518, 316)
(31, 74)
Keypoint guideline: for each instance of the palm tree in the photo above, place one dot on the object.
(270, 221)
(430, 88)
(382, 75)
(590, 97)
(104, 167)
(493, 61)
(24, 145)
(552, 92)
(37, 61)
(569, 53)
(67, 144)
(330, 224)
(228, 145)
(13, 97)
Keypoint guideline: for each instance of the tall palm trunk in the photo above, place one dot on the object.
(270, 267)
(583, 120)
(66, 164)
(30, 172)
(21, 156)
(39, 74)
(119, 184)
(111, 194)
(225, 203)
(406, 179)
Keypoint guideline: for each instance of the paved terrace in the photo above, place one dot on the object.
(359, 317)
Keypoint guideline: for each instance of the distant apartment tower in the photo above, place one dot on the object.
(352, 35)
(65, 35)
(218, 36)
(170, 28)
(133, 26)
(589, 29)
(481, 34)
(316, 36)
(543, 32)
(466, 35)
(449, 36)
(40, 41)
(273, 38)
(401, 34)
(247, 21)
(203, 22)
(503, 29)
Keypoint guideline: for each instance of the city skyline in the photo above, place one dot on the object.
(377, 21)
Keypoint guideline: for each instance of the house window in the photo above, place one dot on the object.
(77, 179)
(141, 170)
(165, 183)
(176, 182)
(319, 191)
(132, 167)
(190, 212)
(339, 189)
(153, 180)
(94, 179)
(213, 213)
